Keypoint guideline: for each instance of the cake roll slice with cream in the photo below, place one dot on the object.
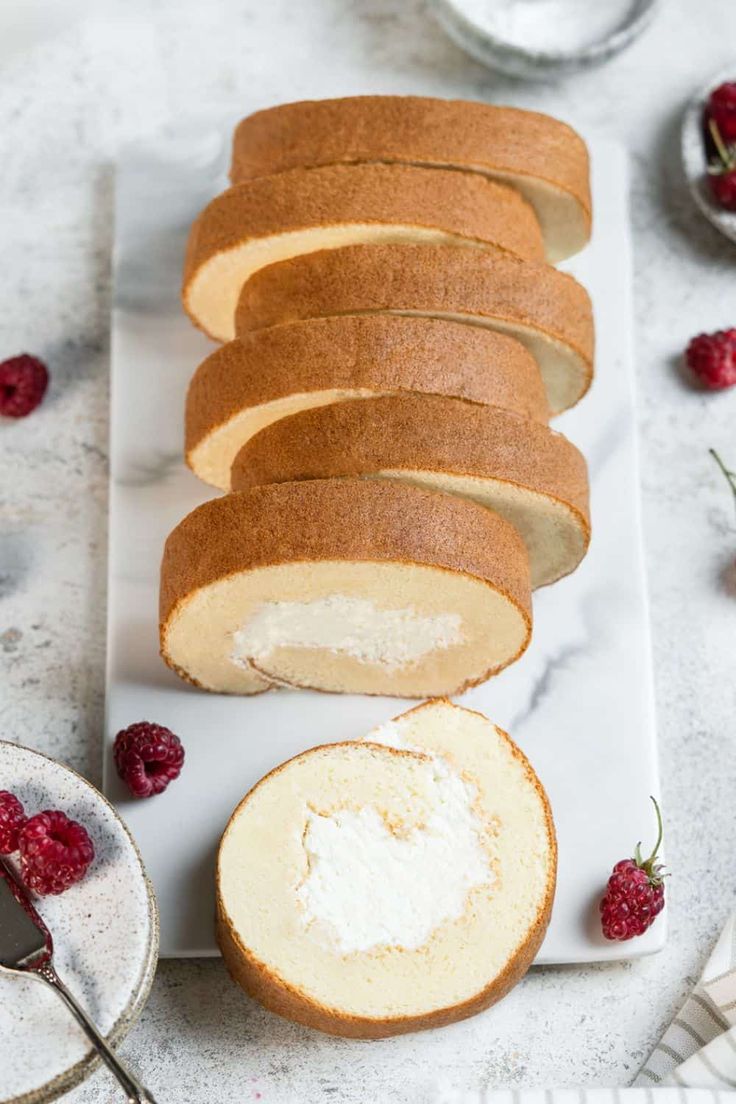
(269, 374)
(546, 160)
(290, 214)
(547, 311)
(527, 473)
(383, 886)
(343, 585)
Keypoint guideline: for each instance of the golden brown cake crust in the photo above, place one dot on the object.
(381, 353)
(426, 278)
(415, 432)
(349, 519)
(276, 994)
(458, 203)
(413, 129)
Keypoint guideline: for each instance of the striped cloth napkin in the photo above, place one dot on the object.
(588, 1096)
(699, 1047)
(694, 1062)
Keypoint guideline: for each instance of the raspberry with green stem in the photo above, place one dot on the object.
(634, 895)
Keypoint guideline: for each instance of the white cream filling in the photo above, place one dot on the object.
(369, 886)
(391, 638)
(390, 734)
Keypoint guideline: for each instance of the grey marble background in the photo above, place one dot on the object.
(77, 79)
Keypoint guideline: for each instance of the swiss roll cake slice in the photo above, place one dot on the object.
(546, 310)
(289, 214)
(403, 882)
(269, 374)
(343, 585)
(527, 473)
(542, 157)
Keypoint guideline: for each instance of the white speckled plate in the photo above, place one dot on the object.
(694, 159)
(105, 932)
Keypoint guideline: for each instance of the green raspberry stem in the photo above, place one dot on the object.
(722, 149)
(660, 833)
(649, 866)
(729, 475)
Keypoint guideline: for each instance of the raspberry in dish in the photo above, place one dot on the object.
(148, 757)
(12, 819)
(722, 110)
(722, 169)
(55, 852)
(723, 186)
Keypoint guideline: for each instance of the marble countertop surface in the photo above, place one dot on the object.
(80, 77)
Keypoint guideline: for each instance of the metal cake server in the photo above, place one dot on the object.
(26, 948)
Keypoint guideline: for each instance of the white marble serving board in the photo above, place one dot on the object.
(580, 701)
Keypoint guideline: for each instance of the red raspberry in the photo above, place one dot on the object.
(23, 383)
(55, 852)
(634, 895)
(722, 169)
(148, 757)
(12, 819)
(712, 358)
(722, 110)
(723, 187)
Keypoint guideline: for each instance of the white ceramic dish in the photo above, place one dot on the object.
(694, 160)
(533, 63)
(579, 702)
(105, 932)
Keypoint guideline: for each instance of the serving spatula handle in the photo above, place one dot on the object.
(137, 1094)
